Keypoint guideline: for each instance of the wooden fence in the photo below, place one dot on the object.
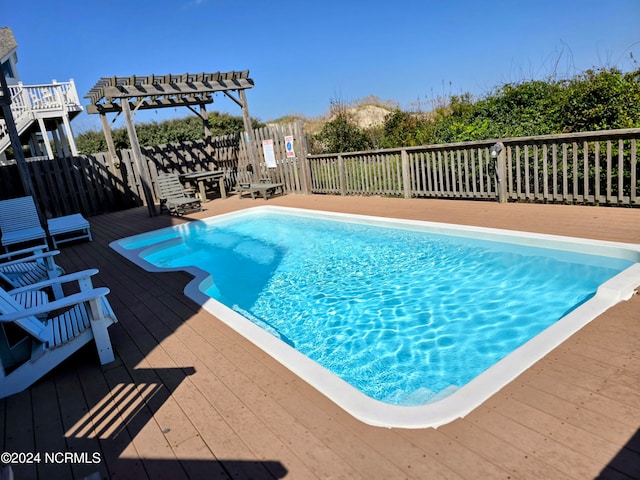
(588, 168)
(597, 168)
(95, 184)
(289, 169)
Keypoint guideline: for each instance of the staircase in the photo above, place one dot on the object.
(30, 103)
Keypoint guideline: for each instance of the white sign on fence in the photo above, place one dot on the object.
(288, 144)
(269, 155)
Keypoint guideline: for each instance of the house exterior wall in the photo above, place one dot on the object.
(9, 56)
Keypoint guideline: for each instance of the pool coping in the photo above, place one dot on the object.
(466, 398)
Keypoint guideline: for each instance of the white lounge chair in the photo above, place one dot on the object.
(19, 222)
(174, 197)
(31, 347)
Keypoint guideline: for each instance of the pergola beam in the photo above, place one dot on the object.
(238, 102)
(149, 104)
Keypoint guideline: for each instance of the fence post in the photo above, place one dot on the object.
(343, 187)
(499, 154)
(305, 167)
(406, 173)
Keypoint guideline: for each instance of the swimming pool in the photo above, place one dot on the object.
(341, 322)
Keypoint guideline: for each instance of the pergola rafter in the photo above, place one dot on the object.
(127, 95)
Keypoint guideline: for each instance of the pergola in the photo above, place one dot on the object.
(127, 95)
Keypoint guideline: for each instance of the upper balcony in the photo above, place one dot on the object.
(34, 106)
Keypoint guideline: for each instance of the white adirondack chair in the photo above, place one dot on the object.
(29, 266)
(31, 347)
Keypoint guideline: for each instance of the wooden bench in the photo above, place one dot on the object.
(263, 188)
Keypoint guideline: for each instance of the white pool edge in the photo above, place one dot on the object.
(465, 399)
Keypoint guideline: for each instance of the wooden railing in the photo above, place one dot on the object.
(56, 95)
(596, 168)
(590, 168)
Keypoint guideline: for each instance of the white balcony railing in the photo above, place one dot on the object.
(30, 102)
(53, 96)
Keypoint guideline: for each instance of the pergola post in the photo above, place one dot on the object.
(137, 157)
(207, 129)
(251, 138)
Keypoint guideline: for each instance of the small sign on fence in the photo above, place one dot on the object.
(288, 145)
(269, 155)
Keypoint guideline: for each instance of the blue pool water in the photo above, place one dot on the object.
(406, 317)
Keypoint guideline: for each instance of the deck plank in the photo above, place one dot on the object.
(74, 406)
(101, 421)
(187, 397)
(516, 458)
(19, 433)
(47, 419)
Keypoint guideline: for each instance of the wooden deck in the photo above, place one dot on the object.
(187, 397)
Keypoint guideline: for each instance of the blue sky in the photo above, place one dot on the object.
(304, 54)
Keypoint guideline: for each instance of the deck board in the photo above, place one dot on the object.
(187, 397)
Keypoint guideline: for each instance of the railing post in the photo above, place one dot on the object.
(305, 167)
(57, 94)
(343, 187)
(72, 93)
(499, 154)
(406, 173)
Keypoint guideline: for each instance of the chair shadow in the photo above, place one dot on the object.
(117, 420)
(109, 418)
